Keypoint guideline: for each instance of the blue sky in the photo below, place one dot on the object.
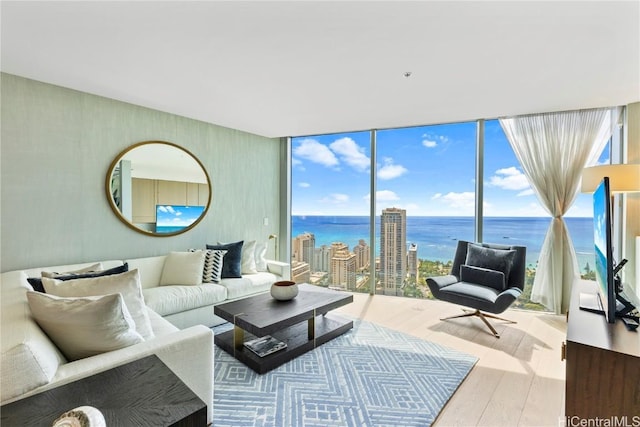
(428, 170)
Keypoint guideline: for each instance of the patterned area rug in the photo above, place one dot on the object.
(370, 376)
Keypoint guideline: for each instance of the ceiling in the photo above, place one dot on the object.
(303, 68)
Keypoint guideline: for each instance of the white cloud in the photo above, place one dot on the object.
(335, 198)
(390, 170)
(166, 209)
(527, 192)
(386, 196)
(509, 179)
(304, 185)
(436, 196)
(462, 200)
(432, 141)
(351, 153)
(312, 150)
(429, 143)
(295, 162)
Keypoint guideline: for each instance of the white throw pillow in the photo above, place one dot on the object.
(213, 262)
(89, 269)
(85, 326)
(128, 284)
(249, 257)
(183, 268)
(261, 256)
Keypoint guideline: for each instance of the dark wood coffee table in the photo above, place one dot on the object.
(302, 323)
(144, 392)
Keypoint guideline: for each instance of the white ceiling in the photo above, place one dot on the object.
(302, 68)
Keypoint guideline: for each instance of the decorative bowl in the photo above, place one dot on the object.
(284, 290)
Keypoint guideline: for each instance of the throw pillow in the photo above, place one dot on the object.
(36, 282)
(249, 257)
(482, 276)
(261, 256)
(183, 268)
(493, 259)
(128, 284)
(232, 262)
(90, 269)
(212, 270)
(85, 326)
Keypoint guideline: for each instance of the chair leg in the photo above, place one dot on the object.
(483, 317)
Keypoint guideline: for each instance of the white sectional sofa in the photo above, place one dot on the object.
(180, 318)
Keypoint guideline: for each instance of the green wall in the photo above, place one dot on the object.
(56, 147)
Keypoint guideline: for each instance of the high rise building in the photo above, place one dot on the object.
(343, 270)
(393, 250)
(300, 272)
(361, 251)
(322, 258)
(303, 247)
(412, 262)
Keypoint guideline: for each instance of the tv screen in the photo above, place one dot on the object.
(604, 249)
(173, 218)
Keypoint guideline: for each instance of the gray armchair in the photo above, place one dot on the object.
(486, 277)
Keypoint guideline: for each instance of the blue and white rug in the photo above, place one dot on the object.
(370, 376)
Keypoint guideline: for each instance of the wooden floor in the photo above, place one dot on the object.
(518, 379)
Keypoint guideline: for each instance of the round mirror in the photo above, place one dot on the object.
(158, 188)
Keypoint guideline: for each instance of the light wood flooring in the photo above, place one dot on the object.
(518, 379)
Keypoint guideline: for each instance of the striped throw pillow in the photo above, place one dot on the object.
(212, 264)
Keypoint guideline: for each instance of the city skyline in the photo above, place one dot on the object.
(428, 171)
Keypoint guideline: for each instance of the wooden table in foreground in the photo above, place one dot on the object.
(144, 392)
(302, 323)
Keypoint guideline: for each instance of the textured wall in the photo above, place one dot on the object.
(56, 147)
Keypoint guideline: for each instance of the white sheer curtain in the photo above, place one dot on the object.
(553, 149)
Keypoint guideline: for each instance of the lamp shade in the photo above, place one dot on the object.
(622, 178)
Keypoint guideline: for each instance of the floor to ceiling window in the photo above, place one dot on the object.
(513, 215)
(425, 199)
(425, 202)
(330, 210)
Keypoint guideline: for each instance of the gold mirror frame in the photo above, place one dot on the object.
(114, 176)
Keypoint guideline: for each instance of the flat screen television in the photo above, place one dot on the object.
(173, 218)
(602, 228)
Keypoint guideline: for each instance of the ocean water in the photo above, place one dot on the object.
(437, 237)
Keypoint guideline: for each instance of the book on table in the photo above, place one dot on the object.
(265, 345)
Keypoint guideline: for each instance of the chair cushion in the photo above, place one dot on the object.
(482, 276)
(492, 259)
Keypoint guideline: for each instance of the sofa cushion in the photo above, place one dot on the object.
(261, 256)
(213, 261)
(249, 257)
(183, 268)
(166, 300)
(84, 326)
(232, 263)
(28, 358)
(89, 269)
(128, 284)
(36, 282)
(248, 285)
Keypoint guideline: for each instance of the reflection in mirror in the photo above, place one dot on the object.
(158, 188)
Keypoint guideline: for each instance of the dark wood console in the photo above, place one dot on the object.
(603, 364)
